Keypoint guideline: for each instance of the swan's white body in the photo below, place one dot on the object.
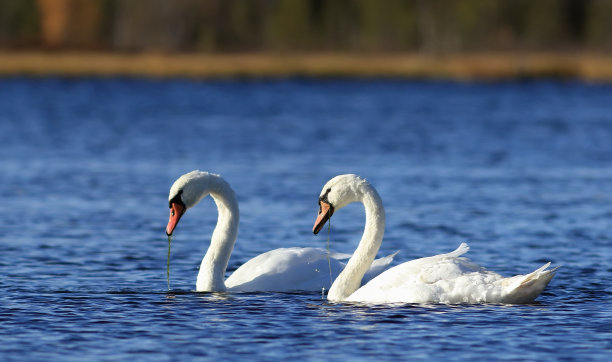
(279, 270)
(295, 269)
(444, 278)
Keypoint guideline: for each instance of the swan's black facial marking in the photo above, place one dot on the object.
(176, 200)
(324, 196)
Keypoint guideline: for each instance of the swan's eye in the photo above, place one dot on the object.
(172, 213)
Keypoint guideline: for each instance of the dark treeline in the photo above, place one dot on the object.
(306, 25)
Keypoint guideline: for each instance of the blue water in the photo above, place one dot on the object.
(520, 170)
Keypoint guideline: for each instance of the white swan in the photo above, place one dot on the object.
(445, 278)
(279, 270)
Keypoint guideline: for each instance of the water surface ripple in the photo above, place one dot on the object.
(520, 170)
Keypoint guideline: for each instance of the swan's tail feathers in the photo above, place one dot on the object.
(526, 288)
(378, 266)
(462, 249)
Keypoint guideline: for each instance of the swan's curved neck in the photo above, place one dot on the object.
(212, 269)
(350, 279)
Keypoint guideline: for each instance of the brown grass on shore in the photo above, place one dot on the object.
(593, 67)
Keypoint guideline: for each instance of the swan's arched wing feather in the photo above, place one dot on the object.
(378, 266)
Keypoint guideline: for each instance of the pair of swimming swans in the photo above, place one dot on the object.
(444, 278)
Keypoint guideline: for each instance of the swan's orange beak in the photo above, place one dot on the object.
(176, 211)
(325, 212)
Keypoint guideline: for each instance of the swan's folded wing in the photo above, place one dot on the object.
(294, 269)
(450, 279)
(286, 270)
(444, 278)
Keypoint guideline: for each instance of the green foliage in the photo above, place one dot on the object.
(598, 28)
(304, 25)
(19, 22)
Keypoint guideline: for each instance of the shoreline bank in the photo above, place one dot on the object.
(478, 66)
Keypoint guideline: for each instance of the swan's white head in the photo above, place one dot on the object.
(336, 194)
(185, 193)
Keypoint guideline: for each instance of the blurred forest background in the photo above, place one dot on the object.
(464, 39)
(229, 26)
